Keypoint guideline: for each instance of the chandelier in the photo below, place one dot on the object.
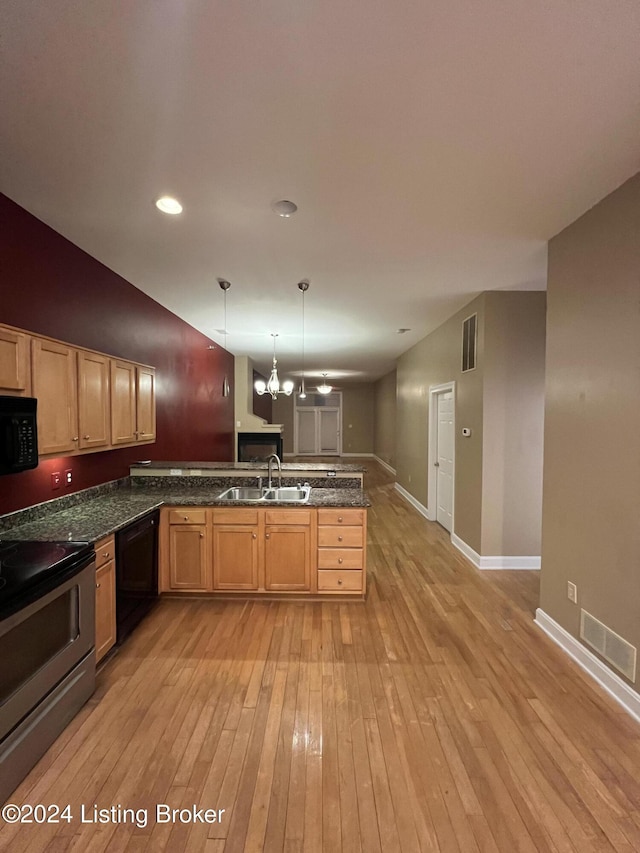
(273, 385)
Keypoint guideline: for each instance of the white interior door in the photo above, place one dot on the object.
(306, 420)
(329, 431)
(444, 460)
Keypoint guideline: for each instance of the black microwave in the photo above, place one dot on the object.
(18, 434)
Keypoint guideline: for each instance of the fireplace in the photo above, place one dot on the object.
(258, 446)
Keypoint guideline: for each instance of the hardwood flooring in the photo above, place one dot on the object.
(435, 716)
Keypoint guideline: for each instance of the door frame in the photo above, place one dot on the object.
(295, 426)
(432, 486)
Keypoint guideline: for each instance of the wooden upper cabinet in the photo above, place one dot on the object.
(54, 383)
(146, 405)
(93, 400)
(15, 364)
(123, 402)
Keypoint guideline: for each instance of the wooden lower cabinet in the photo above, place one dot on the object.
(259, 550)
(105, 597)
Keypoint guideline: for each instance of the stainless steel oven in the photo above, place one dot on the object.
(47, 648)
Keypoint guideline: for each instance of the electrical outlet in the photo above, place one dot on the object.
(56, 479)
(572, 592)
(68, 476)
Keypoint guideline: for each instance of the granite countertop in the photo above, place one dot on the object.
(94, 519)
(248, 466)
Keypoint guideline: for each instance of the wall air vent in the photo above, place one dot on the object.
(610, 645)
(469, 341)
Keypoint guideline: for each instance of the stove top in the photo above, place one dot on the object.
(25, 566)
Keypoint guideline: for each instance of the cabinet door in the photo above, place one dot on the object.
(287, 557)
(123, 402)
(146, 404)
(235, 556)
(189, 557)
(105, 608)
(15, 373)
(93, 400)
(55, 386)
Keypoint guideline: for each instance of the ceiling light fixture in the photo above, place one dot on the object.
(169, 205)
(303, 286)
(284, 208)
(225, 285)
(273, 385)
(325, 388)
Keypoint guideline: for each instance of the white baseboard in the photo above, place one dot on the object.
(384, 464)
(599, 671)
(363, 455)
(494, 562)
(414, 503)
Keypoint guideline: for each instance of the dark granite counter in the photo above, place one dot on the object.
(95, 518)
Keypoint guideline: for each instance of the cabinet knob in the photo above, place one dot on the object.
(340, 518)
(97, 586)
(75, 438)
(86, 437)
(267, 535)
(142, 432)
(339, 538)
(186, 518)
(340, 560)
(105, 554)
(202, 535)
(339, 581)
(255, 535)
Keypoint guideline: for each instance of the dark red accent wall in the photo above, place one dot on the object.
(50, 286)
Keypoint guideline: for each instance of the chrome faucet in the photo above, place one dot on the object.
(270, 460)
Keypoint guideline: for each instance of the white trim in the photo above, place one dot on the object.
(414, 503)
(384, 464)
(364, 455)
(432, 491)
(600, 672)
(494, 562)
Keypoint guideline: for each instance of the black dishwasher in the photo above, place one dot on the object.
(136, 572)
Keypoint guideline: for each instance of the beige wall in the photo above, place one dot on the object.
(433, 361)
(358, 412)
(591, 504)
(384, 419)
(357, 418)
(498, 469)
(513, 418)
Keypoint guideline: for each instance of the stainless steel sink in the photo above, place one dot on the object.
(290, 494)
(241, 493)
(286, 494)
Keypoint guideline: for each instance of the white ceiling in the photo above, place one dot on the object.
(432, 149)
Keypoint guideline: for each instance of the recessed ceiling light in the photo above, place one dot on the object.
(284, 208)
(170, 205)
(403, 331)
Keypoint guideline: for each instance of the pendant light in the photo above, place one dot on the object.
(273, 385)
(225, 285)
(303, 286)
(325, 388)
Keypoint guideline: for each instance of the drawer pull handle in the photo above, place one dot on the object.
(339, 538)
(339, 581)
(86, 437)
(186, 518)
(340, 560)
(105, 554)
(340, 518)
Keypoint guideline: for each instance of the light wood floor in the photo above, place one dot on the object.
(436, 716)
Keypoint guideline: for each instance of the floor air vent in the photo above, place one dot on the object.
(610, 645)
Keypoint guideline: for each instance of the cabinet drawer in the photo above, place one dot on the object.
(340, 516)
(340, 537)
(105, 551)
(340, 558)
(235, 515)
(330, 581)
(288, 516)
(187, 516)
